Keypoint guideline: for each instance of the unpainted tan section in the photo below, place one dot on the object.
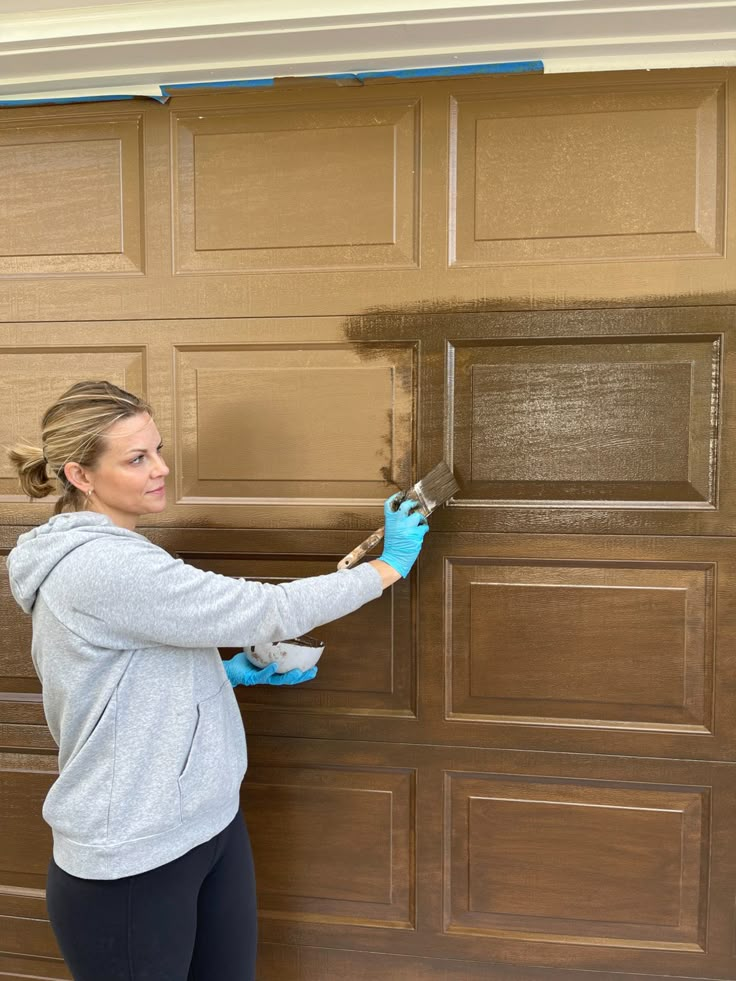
(500, 192)
(72, 193)
(315, 421)
(589, 175)
(318, 187)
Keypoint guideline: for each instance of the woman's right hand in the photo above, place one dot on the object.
(405, 529)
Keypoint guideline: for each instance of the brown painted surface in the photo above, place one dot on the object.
(517, 765)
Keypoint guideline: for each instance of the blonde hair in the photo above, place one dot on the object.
(72, 430)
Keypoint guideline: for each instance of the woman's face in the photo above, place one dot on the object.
(128, 479)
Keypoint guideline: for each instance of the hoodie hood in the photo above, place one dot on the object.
(40, 550)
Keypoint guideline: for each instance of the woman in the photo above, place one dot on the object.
(151, 877)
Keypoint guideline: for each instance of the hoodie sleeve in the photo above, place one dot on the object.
(126, 593)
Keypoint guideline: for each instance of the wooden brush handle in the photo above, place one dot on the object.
(357, 554)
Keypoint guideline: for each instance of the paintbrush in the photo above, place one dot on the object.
(430, 492)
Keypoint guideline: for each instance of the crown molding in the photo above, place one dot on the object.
(50, 50)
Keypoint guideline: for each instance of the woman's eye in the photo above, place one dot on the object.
(136, 459)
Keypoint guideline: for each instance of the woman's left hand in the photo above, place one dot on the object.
(241, 672)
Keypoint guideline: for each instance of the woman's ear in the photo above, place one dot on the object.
(77, 476)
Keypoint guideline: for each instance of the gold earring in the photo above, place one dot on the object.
(90, 491)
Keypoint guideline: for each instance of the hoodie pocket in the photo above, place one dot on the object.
(217, 758)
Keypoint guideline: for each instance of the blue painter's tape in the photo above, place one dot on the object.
(501, 68)
(449, 71)
(62, 102)
(249, 83)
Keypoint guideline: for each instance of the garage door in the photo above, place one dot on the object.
(517, 764)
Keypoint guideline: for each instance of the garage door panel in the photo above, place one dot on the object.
(324, 449)
(278, 962)
(31, 935)
(592, 421)
(25, 849)
(350, 415)
(588, 863)
(623, 422)
(573, 166)
(343, 851)
(22, 968)
(582, 644)
(17, 674)
(22, 722)
(293, 423)
(315, 187)
(543, 641)
(550, 860)
(531, 171)
(46, 170)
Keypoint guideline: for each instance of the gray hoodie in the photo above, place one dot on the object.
(151, 744)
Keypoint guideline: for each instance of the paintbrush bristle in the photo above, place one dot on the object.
(435, 488)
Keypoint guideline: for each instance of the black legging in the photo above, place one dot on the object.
(193, 919)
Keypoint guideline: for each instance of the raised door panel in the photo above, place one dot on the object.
(578, 863)
(556, 641)
(582, 174)
(602, 643)
(574, 190)
(555, 861)
(279, 962)
(293, 423)
(344, 851)
(615, 422)
(16, 668)
(48, 170)
(296, 187)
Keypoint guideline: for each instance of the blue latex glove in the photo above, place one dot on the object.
(241, 672)
(404, 534)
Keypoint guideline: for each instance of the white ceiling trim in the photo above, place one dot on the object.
(49, 50)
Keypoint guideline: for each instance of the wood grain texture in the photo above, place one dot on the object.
(518, 763)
